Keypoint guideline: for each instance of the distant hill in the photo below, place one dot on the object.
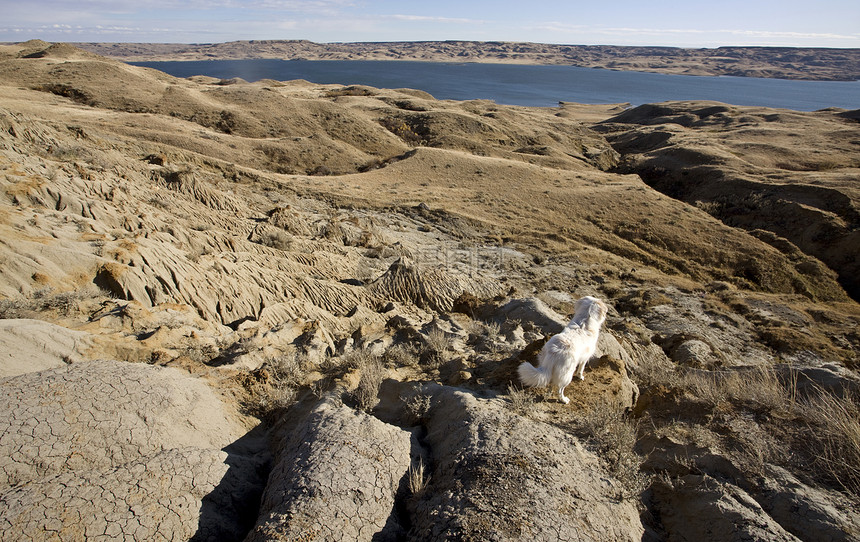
(772, 62)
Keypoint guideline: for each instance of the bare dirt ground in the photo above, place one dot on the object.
(313, 300)
(778, 62)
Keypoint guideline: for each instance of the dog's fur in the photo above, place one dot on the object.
(567, 351)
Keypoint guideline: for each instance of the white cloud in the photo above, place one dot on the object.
(591, 29)
(782, 34)
(688, 36)
(125, 5)
(326, 7)
(86, 33)
(301, 6)
(556, 26)
(425, 18)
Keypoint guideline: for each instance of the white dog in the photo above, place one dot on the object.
(568, 351)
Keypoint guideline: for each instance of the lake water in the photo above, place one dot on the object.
(532, 85)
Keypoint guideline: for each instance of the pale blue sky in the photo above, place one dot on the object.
(692, 23)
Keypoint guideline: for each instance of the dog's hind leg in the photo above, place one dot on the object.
(561, 396)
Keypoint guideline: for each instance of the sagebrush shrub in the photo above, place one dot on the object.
(366, 395)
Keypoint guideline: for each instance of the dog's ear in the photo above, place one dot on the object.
(599, 310)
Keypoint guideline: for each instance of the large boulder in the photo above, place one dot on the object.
(159, 497)
(698, 507)
(103, 449)
(808, 512)
(535, 312)
(336, 475)
(497, 475)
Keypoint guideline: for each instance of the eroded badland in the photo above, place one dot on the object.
(283, 310)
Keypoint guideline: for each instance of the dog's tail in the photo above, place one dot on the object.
(534, 377)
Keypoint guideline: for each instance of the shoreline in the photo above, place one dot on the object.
(814, 64)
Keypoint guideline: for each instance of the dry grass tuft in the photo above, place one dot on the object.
(521, 400)
(357, 358)
(401, 355)
(437, 344)
(276, 399)
(275, 388)
(437, 341)
(46, 299)
(834, 423)
(277, 239)
(615, 435)
(418, 479)
(287, 370)
(482, 328)
(486, 335)
(758, 387)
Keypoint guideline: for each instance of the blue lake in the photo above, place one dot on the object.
(542, 86)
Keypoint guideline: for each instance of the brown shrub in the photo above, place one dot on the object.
(403, 130)
(366, 395)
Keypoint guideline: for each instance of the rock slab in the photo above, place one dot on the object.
(500, 476)
(336, 477)
(99, 450)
